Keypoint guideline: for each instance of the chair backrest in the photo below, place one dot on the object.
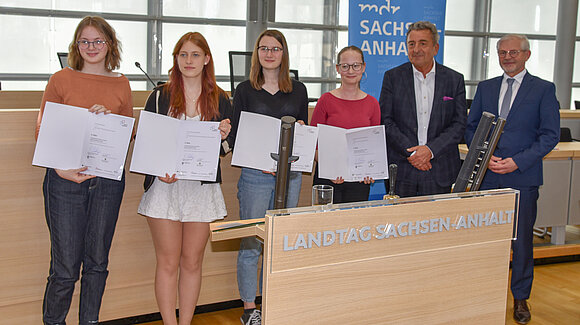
(294, 74)
(240, 63)
(565, 134)
(63, 59)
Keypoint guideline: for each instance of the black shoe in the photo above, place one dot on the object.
(521, 311)
(253, 318)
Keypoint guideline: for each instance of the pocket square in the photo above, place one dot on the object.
(447, 98)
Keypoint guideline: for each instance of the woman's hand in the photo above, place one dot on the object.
(168, 179)
(97, 108)
(300, 122)
(225, 128)
(338, 180)
(368, 180)
(74, 175)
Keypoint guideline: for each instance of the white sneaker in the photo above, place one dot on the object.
(255, 318)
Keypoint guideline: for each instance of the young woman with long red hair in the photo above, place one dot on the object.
(179, 211)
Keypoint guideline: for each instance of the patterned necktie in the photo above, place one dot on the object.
(507, 98)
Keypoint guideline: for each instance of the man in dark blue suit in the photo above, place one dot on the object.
(531, 131)
(424, 112)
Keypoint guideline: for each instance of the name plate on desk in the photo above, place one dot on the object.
(341, 235)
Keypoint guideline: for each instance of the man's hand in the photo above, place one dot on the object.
(502, 166)
(421, 158)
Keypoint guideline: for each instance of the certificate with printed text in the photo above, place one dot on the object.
(352, 154)
(258, 136)
(71, 137)
(165, 145)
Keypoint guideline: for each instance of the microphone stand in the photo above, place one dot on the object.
(138, 65)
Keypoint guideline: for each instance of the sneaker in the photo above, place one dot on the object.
(254, 318)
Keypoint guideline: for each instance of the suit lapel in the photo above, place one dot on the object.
(494, 98)
(408, 80)
(523, 91)
(438, 92)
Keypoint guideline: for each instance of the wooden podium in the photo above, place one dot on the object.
(425, 260)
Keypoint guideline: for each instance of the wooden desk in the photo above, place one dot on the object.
(373, 263)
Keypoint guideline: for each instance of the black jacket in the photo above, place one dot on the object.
(160, 105)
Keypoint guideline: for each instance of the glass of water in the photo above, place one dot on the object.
(322, 194)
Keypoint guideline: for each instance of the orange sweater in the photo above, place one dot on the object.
(75, 88)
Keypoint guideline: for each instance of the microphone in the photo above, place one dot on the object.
(138, 65)
(392, 179)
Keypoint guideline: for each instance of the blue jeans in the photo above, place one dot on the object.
(256, 195)
(81, 220)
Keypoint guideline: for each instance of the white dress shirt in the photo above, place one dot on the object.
(424, 92)
(515, 87)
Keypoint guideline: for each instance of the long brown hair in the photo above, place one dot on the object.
(113, 58)
(256, 74)
(210, 92)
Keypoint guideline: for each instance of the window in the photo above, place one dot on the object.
(221, 40)
(524, 16)
(222, 9)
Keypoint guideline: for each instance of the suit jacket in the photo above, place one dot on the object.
(446, 124)
(160, 105)
(531, 131)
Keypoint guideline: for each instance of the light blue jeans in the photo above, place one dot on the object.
(256, 195)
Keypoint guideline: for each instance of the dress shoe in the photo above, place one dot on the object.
(521, 311)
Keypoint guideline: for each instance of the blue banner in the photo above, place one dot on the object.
(379, 28)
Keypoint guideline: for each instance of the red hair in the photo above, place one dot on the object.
(209, 98)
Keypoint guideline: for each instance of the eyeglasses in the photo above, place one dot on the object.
(274, 50)
(345, 66)
(512, 53)
(98, 44)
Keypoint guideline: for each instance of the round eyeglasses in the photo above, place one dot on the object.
(345, 66)
(98, 44)
(512, 53)
(274, 50)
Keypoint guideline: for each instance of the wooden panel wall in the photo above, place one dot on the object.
(24, 253)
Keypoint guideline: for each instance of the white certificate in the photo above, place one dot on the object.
(72, 137)
(352, 154)
(165, 145)
(258, 136)
(304, 147)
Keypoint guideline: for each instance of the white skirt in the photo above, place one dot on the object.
(184, 201)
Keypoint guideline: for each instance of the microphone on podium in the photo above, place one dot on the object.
(392, 179)
(138, 65)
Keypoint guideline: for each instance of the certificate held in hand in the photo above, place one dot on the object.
(352, 154)
(188, 149)
(258, 136)
(72, 137)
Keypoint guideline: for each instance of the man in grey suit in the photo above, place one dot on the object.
(424, 112)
